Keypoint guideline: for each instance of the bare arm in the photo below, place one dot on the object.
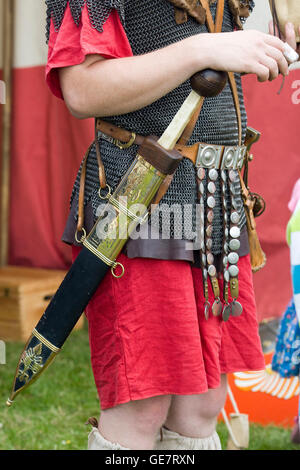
(101, 87)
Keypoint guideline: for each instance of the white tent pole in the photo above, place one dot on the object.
(232, 399)
(7, 44)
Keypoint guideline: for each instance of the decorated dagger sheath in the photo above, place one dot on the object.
(123, 211)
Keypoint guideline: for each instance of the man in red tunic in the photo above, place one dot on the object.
(159, 358)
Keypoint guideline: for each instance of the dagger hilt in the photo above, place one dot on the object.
(208, 82)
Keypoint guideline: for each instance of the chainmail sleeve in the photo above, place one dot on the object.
(99, 11)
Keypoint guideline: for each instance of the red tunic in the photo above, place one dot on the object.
(149, 337)
(148, 334)
(71, 44)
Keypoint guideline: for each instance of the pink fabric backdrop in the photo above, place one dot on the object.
(273, 173)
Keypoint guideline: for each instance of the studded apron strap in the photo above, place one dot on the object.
(231, 231)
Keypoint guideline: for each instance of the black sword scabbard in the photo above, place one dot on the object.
(120, 216)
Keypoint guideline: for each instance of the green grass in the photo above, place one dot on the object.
(51, 413)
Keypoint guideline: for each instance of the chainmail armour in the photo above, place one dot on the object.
(150, 25)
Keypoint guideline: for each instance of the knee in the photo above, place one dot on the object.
(150, 414)
(139, 417)
(198, 408)
(211, 403)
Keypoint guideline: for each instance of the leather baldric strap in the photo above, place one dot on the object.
(80, 220)
(236, 100)
(213, 27)
(102, 177)
(216, 28)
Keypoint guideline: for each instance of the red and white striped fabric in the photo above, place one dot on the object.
(48, 145)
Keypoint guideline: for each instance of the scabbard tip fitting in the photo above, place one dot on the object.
(9, 402)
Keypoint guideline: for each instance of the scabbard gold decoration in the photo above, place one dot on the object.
(124, 211)
(35, 358)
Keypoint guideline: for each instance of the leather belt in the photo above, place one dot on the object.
(201, 154)
(215, 156)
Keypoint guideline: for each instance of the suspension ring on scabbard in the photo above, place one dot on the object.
(107, 195)
(83, 236)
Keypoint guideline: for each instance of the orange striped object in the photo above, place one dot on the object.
(265, 396)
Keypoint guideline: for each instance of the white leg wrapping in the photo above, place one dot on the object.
(172, 440)
(97, 442)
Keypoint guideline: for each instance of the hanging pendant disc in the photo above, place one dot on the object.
(226, 313)
(206, 310)
(217, 308)
(236, 308)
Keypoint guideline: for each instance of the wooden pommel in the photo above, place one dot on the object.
(165, 161)
(208, 83)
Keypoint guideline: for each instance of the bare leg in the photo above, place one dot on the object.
(196, 415)
(192, 419)
(135, 425)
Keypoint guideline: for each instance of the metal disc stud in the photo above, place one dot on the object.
(210, 258)
(209, 243)
(210, 216)
(201, 173)
(233, 270)
(232, 175)
(212, 270)
(235, 218)
(234, 244)
(209, 230)
(211, 187)
(235, 232)
(233, 258)
(201, 188)
(213, 174)
(211, 202)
